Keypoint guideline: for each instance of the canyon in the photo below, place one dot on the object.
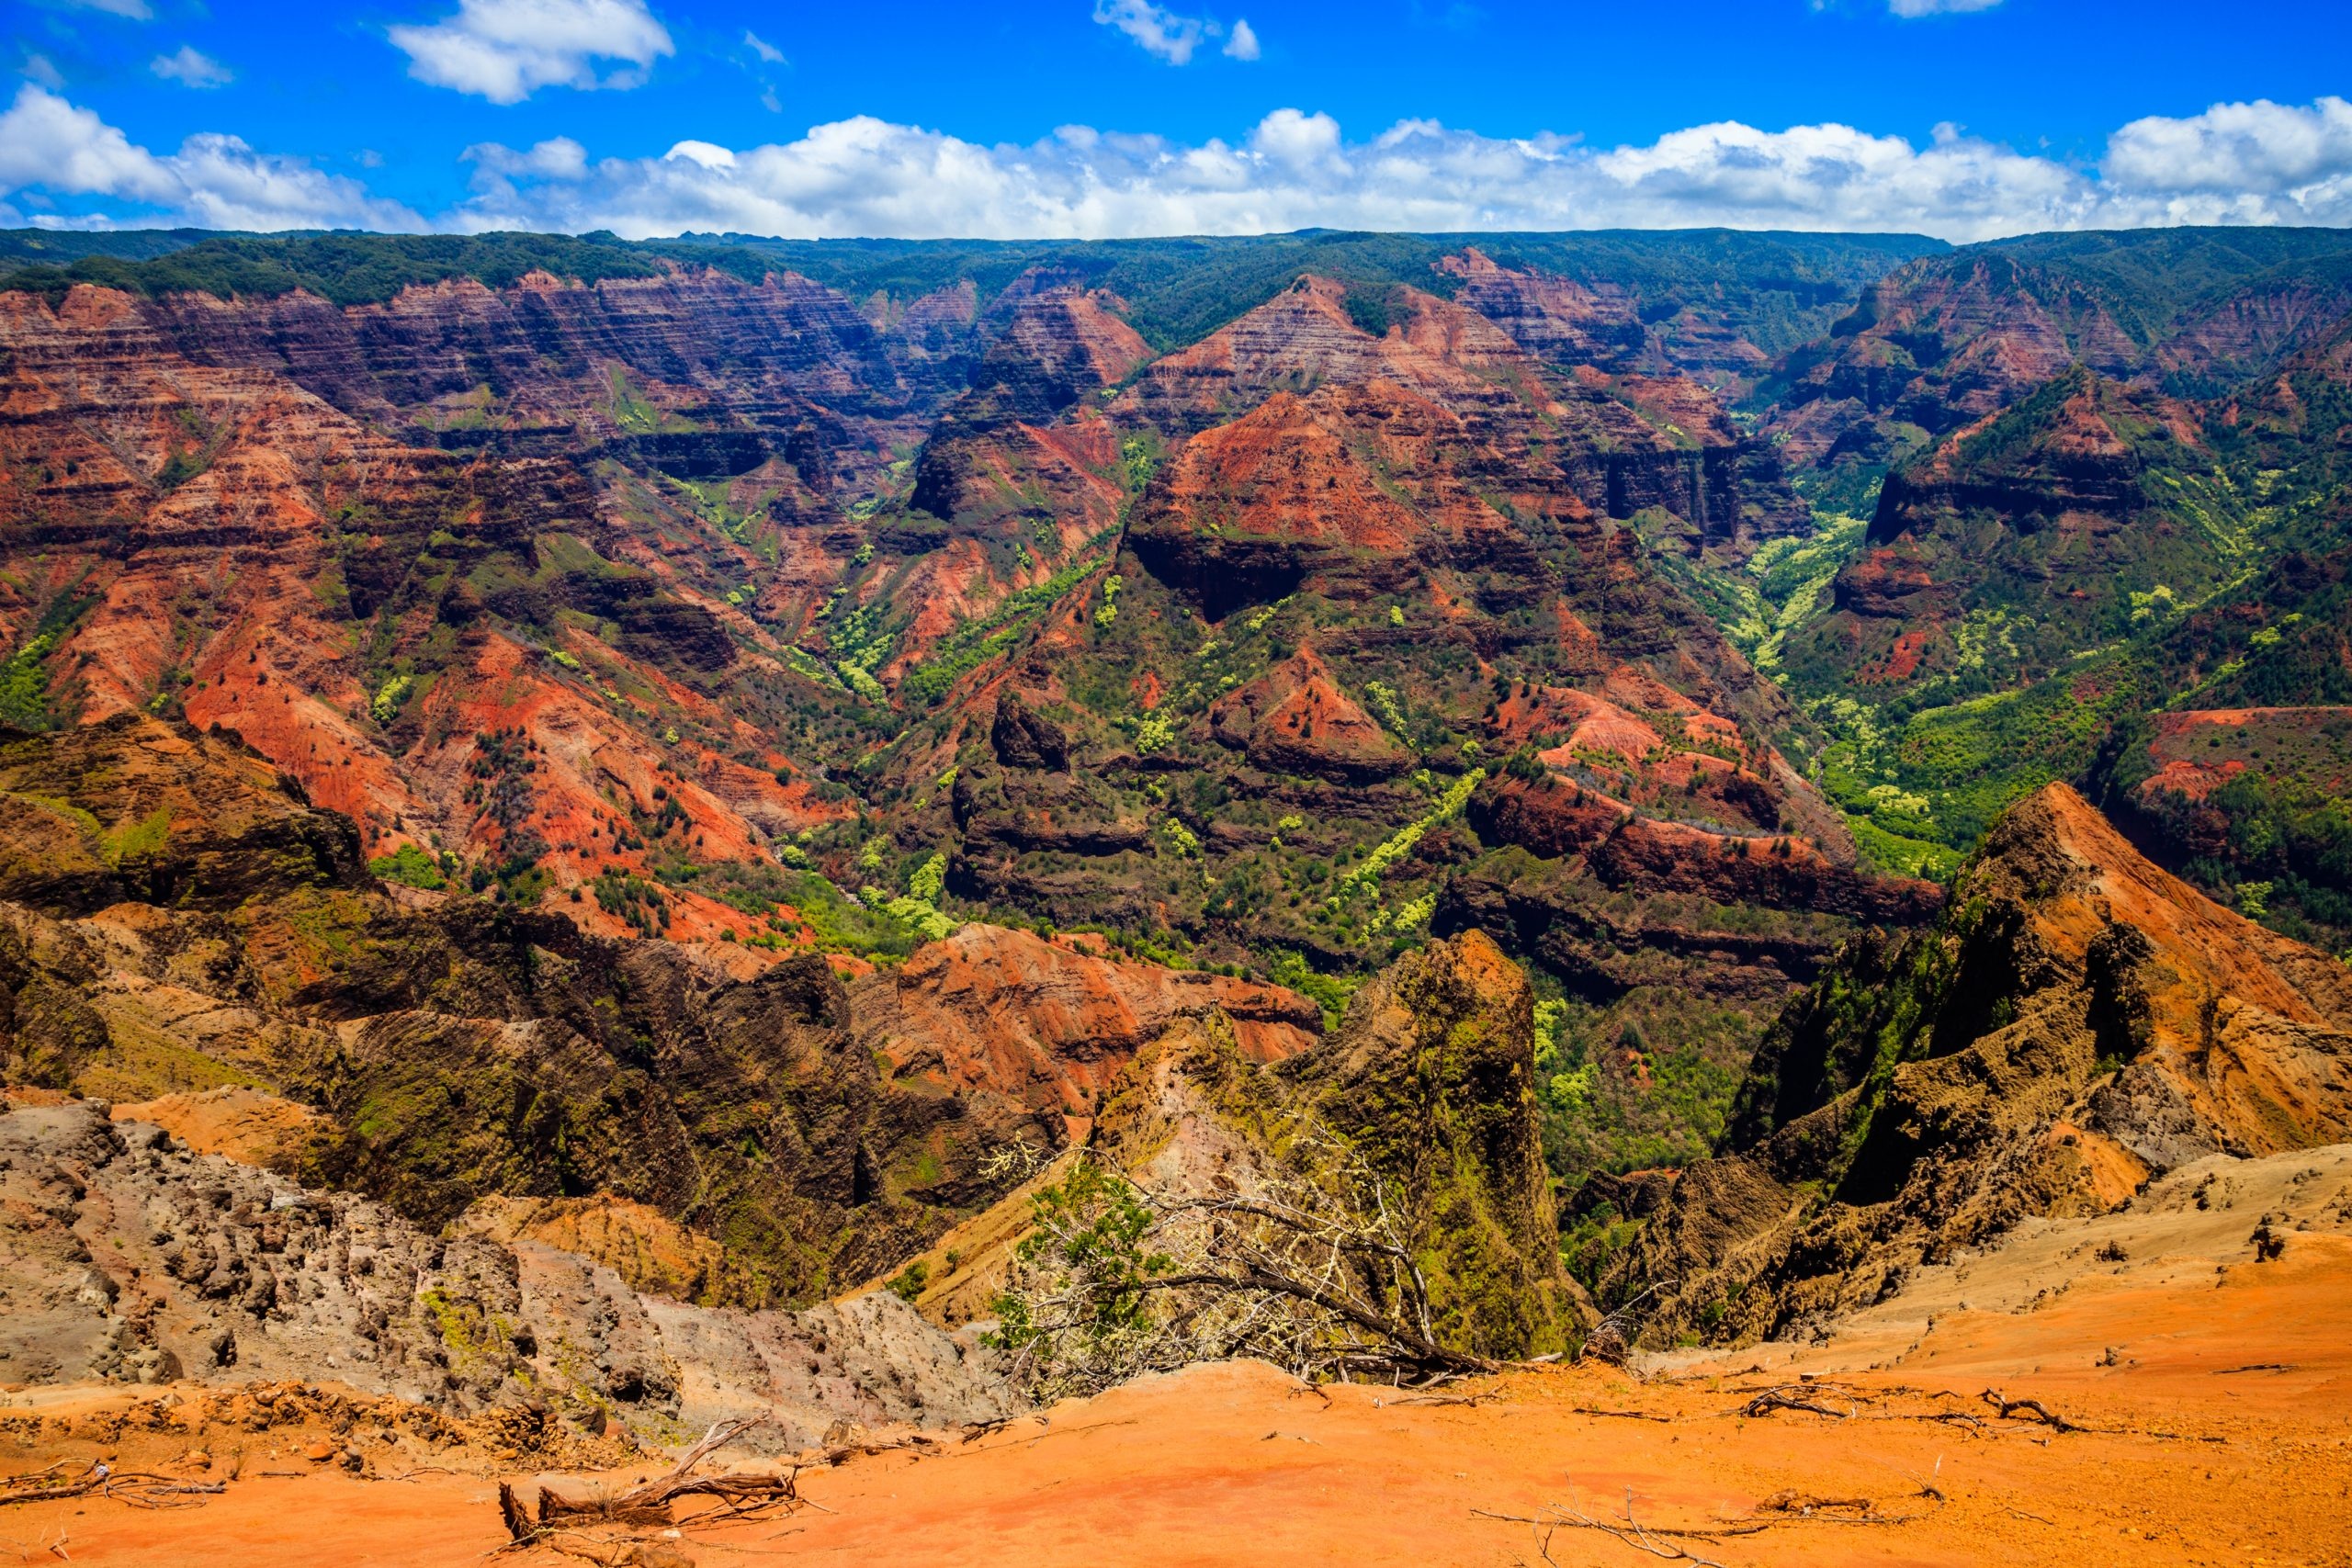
(950, 845)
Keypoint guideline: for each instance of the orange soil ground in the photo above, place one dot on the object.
(2245, 1368)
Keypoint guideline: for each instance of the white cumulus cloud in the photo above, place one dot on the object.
(191, 68)
(2250, 162)
(1160, 31)
(557, 158)
(507, 49)
(1938, 8)
(2241, 163)
(49, 143)
(2255, 162)
(1170, 35)
(214, 181)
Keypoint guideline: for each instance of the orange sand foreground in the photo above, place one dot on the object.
(2219, 1409)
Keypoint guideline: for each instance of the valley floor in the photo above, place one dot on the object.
(2204, 1390)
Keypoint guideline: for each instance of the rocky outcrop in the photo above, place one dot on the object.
(1431, 1077)
(2052, 515)
(1023, 738)
(650, 1251)
(133, 811)
(1556, 318)
(363, 606)
(2079, 1022)
(126, 1257)
(1023, 1032)
(1944, 341)
(1058, 344)
(1023, 810)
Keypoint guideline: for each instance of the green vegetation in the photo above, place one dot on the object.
(977, 641)
(137, 839)
(908, 1282)
(631, 897)
(1330, 992)
(409, 866)
(24, 683)
(917, 909)
(1091, 1227)
(1401, 843)
(348, 269)
(25, 678)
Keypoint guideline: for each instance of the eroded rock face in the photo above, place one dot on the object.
(1023, 738)
(189, 821)
(216, 533)
(126, 1257)
(1026, 1032)
(1432, 1076)
(1626, 848)
(2077, 1022)
(2046, 519)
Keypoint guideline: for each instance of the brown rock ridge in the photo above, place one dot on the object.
(648, 1250)
(1431, 1074)
(238, 1122)
(2079, 1022)
(2050, 512)
(214, 541)
(1557, 819)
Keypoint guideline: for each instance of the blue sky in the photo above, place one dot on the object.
(1957, 117)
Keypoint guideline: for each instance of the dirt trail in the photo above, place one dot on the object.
(1237, 1463)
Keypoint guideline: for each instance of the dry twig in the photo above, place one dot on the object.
(2007, 1408)
(140, 1488)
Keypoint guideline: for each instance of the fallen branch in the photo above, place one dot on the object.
(139, 1488)
(1669, 1543)
(1783, 1398)
(652, 1503)
(1803, 1505)
(1661, 1542)
(2006, 1409)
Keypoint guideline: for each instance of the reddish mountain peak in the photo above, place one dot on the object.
(1554, 318)
(1302, 338)
(1287, 468)
(2057, 853)
(1470, 262)
(1445, 330)
(1072, 335)
(1295, 719)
